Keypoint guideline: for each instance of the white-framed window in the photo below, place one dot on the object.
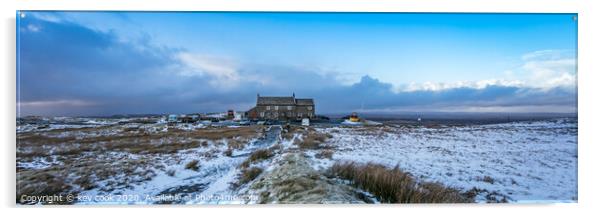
(267, 108)
(275, 107)
(309, 108)
(262, 114)
(289, 107)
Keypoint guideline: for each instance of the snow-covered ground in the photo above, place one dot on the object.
(142, 178)
(173, 183)
(525, 161)
(532, 161)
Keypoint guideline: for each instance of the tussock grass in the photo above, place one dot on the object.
(38, 144)
(312, 140)
(249, 175)
(33, 183)
(256, 156)
(228, 152)
(376, 130)
(204, 143)
(82, 173)
(260, 155)
(289, 132)
(237, 144)
(85, 182)
(395, 186)
(193, 165)
(325, 154)
(487, 179)
(83, 160)
(490, 196)
(220, 133)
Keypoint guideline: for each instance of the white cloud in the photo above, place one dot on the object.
(543, 70)
(33, 28)
(46, 16)
(546, 55)
(50, 103)
(221, 71)
(547, 74)
(439, 86)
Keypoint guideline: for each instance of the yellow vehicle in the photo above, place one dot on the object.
(354, 117)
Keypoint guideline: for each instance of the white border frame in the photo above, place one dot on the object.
(588, 80)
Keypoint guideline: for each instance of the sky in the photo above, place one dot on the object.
(107, 63)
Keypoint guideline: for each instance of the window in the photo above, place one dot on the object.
(289, 107)
(275, 107)
(262, 114)
(309, 108)
(267, 108)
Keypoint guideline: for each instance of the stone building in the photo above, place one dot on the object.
(282, 108)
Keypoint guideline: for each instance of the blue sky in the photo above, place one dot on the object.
(102, 63)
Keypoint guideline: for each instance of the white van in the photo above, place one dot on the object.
(305, 122)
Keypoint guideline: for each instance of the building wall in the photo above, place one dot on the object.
(305, 111)
(282, 112)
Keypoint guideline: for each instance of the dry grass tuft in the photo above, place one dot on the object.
(204, 143)
(396, 186)
(289, 132)
(34, 183)
(259, 155)
(249, 175)
(487, 179)
(82, 157)
(220, 133)
(193, 165)
(313, 140)
(85, 182)
(228, 152)
(325, 154)
(39, 144)
(237, 144)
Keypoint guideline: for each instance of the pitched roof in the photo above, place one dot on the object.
(305, 101)
(275, 101)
